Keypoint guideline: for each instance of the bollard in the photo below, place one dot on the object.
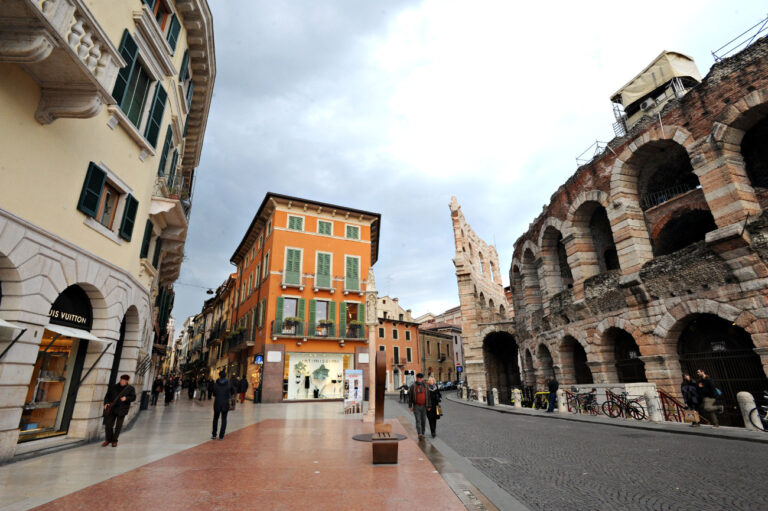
(746, 403)
(518, 398)
(562, 406)
(480, 395)
(654, 410)
(493, 397)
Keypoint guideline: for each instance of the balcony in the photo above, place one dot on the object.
(354, 331)
(652, 199)
(398, 361)
(319, 330)
(62, 46)
(235, 341)
(442, 358)
(322, 329)
(167, 212)
(287, 328)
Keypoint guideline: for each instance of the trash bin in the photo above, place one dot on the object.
(256, 396)
(490, 398)
(144, 400)
(365, 396)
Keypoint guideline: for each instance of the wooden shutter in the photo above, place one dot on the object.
(323, 278)
(158, 249)
(184, 67)
(353, 273)
(361, 312)
(172, 171)
(145, 242)
(129, 217)
(332, 311)
(293, 266)
(300, 309)
(156, 115)
(166, 149)
(190, 92)
(279, 311)
(342, 319)
(92, 188)
(173, 32)
(129, 51)
(312, 315)
(150, 3)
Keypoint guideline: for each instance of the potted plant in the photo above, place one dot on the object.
(324, 327)
(355, 327)
(290, 323)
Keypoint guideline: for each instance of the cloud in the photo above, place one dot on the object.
(394, 107)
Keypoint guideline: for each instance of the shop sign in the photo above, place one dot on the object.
(72, 308)
(258, 360)
(353, 391)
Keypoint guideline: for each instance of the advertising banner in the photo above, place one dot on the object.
(353, 391)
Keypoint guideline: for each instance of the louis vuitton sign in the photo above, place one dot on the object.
(72, 308)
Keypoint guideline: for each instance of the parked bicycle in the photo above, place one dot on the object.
(619, 405)
(758, 416)
(586, 402)
(540, 401)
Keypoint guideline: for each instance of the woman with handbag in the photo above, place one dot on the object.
(433, 412)
(690, 392)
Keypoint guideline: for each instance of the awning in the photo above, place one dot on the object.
(76, 333)
(8, 324)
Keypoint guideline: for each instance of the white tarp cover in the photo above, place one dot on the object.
(76, 333)
(665, 67)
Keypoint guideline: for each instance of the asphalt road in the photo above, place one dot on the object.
(563, 465)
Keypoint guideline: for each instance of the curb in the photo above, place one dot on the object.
(726, 434)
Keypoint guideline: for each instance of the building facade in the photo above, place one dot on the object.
(448, 322)
(397, 335)
(104, 108)
(300, 302)
(437, 355)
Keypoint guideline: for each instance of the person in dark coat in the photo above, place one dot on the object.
(707, 397)
(690, 392)
(210, 387)
(418, 403)
(552, 386)
(434, 400)
(222, 392)
(242, 388)
(191, 388)
(117, 402)
(170, 390)
(157, 388)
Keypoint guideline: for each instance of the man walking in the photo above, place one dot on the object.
(222, 392)
(242, 388)
(117, 402)
(418, 402)
(708, 394)
(157, 388)
(552, 386)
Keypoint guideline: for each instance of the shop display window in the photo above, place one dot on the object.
(310, 376)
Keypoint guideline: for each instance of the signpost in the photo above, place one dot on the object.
(353, 391)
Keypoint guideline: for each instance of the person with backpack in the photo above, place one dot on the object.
(708, 393)
(418, 402)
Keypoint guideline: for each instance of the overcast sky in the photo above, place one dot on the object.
(393, 106)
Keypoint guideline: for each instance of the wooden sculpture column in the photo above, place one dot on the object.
(383, 442)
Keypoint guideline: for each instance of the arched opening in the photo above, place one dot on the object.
(725, 352)
(516, 283)
(530, 371)
(593, 233)
(683, 230)
(127, 348)
(482, 262)
(664, 171)
(531, 286)
(546, 368)
(558, 273)
(574, 362)
(626, 356)
(500, 357)
(755, 152)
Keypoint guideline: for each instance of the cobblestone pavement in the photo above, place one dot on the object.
(564, 465)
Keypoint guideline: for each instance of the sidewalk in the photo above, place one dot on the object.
(282, 456)
(666, 427)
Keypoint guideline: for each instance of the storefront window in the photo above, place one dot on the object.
(315, 375)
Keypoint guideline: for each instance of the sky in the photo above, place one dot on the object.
(394, 106)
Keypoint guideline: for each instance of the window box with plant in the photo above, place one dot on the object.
(324, 328)
(355, 329)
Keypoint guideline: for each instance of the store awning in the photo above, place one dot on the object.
(8, 324)
(76, 333)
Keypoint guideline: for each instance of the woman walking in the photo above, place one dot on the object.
(690, 392)
(434, 402)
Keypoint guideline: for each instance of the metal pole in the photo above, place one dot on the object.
(91, 368)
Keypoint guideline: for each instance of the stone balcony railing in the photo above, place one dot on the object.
(61, 45)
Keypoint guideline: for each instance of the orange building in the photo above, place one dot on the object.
(400, 340)
(302, 268)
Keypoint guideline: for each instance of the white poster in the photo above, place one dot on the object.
(315, 375)
(353, 391)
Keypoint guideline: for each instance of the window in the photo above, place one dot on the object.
(438, 348)
(269, 227)
(295, 223)
(408, 355)
(400, 317)
(250, 283)
(324, 227)
(262, 306)
(100, 200)
(257, 273)
(381, 332)
(260, 242)
(429, 351)
(265, 270)
(352, 273)
(323, 270)
(382, 348)
(148, 228)
(396, 354)
(292, 272)
(394, 333)
(353, 232)
(321, 310)
(167, 22)
(407, 335)
(158, 250)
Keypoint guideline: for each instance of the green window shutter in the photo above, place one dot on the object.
(312, 314)
(190, 92)
(263, 311)
(361, 312)
(186, 125)
(184, 67)
(279, 311)
(129, 51)
(146, 240)
(92, 188)
(353, 273)
(172, 170)
(156, 115)
(173, 32)
(342, 319)
(325, 227)
(323, 278)
(166, 149)
(129, 217)
(300, 312)
(150, 3)
(158, 249)
(293, 266)
(332, 311)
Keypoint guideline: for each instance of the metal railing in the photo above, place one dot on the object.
(289, 328)
(741, 41)
(651, 199)
(321, 330)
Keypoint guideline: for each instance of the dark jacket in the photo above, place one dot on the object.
(243, 386)
(553, 385)
(706, 388)
(433, 397)
(121, 407)
(222, 391)
(157, 386)
(210, 386)
(690, 393)
(412, 394)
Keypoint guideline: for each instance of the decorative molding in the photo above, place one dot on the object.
(130, 129)
(63, 102)
(152, 44)
(104, 231)
(24, 41)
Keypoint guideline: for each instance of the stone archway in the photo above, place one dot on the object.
(573, 362)
(545, 366)
(500, 355)
(127, 348)
(621, 357)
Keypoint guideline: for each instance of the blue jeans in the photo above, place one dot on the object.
(552, 397)
(420, 413)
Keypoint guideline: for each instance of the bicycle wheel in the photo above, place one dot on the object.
(593, 408)
(636, 411)
(756, 420)
(611, 409)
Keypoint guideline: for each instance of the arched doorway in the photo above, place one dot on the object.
(574, 360)
(500, 357)
(546, 369)
(626, 356)
(530, 372)
(684, 229)
(726, 353)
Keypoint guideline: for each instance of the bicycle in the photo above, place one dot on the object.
(758, 416)
(619, 405)
(586, 402)
(540, 401)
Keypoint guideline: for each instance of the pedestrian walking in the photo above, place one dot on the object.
(707, 395)
(242, 388)
(433, 411)
(690, 392)
(117, 402)
(202, 388)
(157, 388)
(222, 392)
(418, 402)
(169, 391)
(191, 388)
(177, 388)
(210, 387)
(552, 386)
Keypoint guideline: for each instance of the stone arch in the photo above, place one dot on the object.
(590, 246)
(529, 370)
(531, 284)
(616, 322)
(620, 357)
(544, 365)
(572, 355)
(500, 356)
(128, 345)
(555, 271)
(671, 325)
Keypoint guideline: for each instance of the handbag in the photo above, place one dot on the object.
(691, 416)
(111, 405)
(438, 411)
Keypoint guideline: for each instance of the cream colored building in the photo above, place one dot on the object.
(104, 106)
(389, 308)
